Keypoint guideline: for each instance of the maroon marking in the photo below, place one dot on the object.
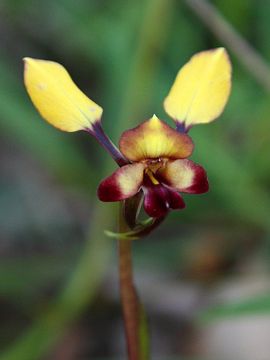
(160, 199)
(200, 182)
(110, 188)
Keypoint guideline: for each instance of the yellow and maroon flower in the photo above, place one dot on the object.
(158, 167)
(153, 156)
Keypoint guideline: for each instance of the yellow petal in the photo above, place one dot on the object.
(154, 139)
(201, 88)
(57, 98)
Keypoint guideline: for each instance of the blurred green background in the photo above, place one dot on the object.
(204, 274)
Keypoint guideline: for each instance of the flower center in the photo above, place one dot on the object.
(153, 165)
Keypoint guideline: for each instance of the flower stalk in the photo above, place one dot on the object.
(132, 309)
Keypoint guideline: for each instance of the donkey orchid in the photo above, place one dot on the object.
(152, 156)
(158, 166)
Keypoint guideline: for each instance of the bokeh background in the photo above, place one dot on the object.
(204, 274)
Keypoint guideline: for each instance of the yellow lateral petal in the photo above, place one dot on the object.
(201, 88)
(122, 184)
(57, 98)
(184, 176)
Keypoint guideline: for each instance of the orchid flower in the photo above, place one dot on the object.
(153, 157)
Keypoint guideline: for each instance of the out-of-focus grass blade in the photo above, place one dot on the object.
(143, 335)
(254, 306)
(21, 277)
